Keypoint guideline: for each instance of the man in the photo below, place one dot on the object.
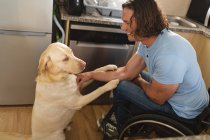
(173, 84)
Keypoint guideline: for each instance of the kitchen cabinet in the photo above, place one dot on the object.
(201, 45)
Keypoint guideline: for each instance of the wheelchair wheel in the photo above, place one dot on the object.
(152, 126)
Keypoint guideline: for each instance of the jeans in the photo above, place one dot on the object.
(130, 100)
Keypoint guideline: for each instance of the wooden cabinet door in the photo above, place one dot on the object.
(201, 45)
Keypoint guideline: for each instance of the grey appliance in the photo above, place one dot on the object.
(199, 11)
(100, 45)
(25, 31)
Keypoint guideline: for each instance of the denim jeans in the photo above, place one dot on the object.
(130, 100)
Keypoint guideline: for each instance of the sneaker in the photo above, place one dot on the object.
(112, 118)
(107, 128)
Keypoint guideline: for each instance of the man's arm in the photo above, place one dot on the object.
(131, 70)
(156, 91)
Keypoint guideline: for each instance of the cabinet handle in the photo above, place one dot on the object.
(94, 45)
(95, 28)
(22, 33)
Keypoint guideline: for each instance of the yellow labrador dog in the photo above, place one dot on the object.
(57, 94)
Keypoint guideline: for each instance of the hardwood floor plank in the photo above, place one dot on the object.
(15, 123)
(99, 110)
(84, 123)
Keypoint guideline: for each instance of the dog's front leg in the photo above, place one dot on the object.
(104, 68)
(107, 68)
(85, 84)
(86, 99)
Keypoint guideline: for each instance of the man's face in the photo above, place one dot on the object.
(129, 23)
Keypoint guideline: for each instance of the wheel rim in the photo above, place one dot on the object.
(121, 136)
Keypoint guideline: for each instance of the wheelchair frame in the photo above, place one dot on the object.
(163, 124)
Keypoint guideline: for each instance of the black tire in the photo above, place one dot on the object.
(158, 122)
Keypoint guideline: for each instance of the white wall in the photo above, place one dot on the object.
(174, 7)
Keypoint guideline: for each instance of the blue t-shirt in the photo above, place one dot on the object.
(172, 60)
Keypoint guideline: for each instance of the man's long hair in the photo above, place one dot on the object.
(149, 18)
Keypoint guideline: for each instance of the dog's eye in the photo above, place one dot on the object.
(66, 59)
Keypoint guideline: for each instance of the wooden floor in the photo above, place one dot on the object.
(15, 123)
(84, 123)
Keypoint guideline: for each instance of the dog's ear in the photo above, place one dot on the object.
(42, 68)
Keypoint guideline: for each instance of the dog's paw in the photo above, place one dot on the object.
(112, 84)
(110, 67)
(107, 68)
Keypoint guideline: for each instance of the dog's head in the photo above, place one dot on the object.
(57, 61)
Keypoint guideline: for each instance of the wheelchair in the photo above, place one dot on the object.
(160, 125)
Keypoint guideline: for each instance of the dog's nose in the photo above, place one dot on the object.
(82, 64)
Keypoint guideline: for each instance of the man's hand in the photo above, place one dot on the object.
(83, 77)
(137, 80)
